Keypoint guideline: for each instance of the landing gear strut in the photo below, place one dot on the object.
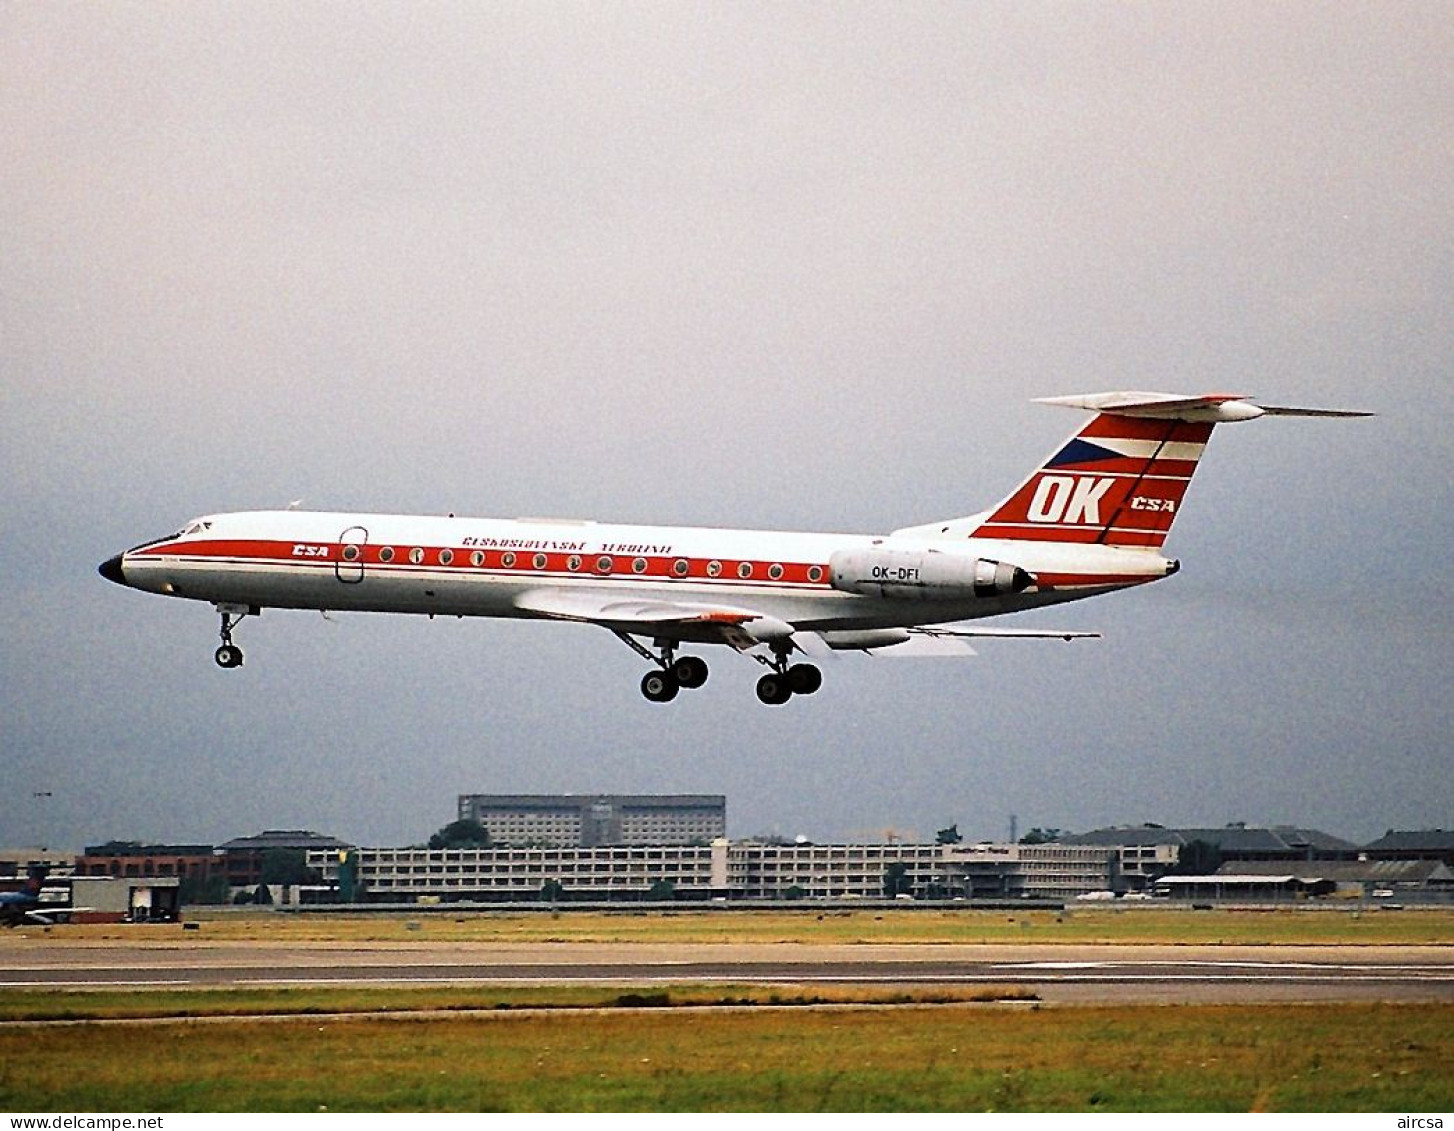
(785, 680)
(230, 655)
(671, 674)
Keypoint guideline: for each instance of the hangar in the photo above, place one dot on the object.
(1233, 887)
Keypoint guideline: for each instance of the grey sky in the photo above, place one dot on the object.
(793, 266)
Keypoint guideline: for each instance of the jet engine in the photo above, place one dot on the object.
(923, 575)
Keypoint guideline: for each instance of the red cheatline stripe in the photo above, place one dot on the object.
(1072, 580)
(466, 560)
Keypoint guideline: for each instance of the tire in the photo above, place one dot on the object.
(774, 690)
(804, 679)
(659, 686)
(690, 671)
(228, 656)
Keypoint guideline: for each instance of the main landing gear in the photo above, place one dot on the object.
(230, 655)
(672, 674)
(786, 680)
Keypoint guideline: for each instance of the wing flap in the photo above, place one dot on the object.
(950, 630)
(740, 627)
(926, 640)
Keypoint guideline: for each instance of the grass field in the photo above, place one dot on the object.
(584, 1048)
(1077, 926)
(935, 1058)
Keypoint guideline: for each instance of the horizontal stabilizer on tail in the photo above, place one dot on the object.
(1210, 408)
(1285, 410)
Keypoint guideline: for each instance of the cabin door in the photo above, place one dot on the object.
(349, 568)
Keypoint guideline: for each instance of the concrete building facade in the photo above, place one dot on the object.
(569, 820)
(726, 870)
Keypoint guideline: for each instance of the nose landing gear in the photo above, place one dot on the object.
(230, 655)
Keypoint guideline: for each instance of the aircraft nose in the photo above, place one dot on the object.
(110, 569)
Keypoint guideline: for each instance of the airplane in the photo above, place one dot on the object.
(17, 907)
(1090, 520)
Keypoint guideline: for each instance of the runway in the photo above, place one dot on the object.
(1056, 973)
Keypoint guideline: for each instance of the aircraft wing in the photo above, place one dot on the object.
(945, 631)
(740, 627)
(50, 916)
(921, 640)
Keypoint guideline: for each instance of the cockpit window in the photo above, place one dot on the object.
(201, 526)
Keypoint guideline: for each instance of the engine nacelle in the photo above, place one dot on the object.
(861, 639)
(923, 575)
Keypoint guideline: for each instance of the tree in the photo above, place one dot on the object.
(948, 836)
(897, 881)
(287, 866)
(1042, 836)
(662, 890)
(463, 833)
(1198, 858)
(194, 890)
(552, 891)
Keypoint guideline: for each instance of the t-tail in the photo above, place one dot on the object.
(1122, 479)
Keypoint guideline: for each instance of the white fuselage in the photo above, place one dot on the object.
(487, 567)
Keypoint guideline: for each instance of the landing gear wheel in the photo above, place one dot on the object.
(690, 671)
(804, 679)
(774, 689)
(659, 686)
(230, 655)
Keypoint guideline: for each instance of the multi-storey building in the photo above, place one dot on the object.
(723, 869)
(244, 856)
(130, 858)
(586, 820)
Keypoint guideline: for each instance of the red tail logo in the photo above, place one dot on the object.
(1119, 482)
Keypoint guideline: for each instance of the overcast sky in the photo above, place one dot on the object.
(788, 266)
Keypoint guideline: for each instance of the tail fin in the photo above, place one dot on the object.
(1120, 480)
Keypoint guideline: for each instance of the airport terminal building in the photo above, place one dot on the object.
(740, 870)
